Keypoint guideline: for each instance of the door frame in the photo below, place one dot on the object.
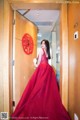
(63, 42)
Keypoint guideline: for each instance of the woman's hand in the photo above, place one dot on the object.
(35, 62)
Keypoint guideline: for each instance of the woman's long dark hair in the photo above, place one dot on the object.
(47, 47)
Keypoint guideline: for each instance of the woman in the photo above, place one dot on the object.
(41, 98)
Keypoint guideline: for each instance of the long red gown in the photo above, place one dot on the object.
(41, 99)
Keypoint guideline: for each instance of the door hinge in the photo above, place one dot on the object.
(13, 21)
(13, 62)
(13, 103)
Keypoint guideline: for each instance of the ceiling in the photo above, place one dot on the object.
(44, 19)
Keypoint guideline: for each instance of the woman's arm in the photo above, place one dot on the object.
(39, 58)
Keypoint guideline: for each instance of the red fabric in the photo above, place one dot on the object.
(41, 99)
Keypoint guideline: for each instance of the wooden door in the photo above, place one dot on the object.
(22, 63)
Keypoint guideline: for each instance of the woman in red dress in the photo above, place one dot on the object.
(41, 98)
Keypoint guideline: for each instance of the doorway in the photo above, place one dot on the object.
(48, 28)
(49, 6)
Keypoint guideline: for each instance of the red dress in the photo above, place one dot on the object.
(41, 99)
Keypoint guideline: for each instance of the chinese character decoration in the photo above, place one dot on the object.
(27, 43)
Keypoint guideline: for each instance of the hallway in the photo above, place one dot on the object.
(12, 30)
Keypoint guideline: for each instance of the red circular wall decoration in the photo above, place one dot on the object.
(27, 43)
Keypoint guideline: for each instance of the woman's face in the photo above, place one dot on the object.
(43, 45)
